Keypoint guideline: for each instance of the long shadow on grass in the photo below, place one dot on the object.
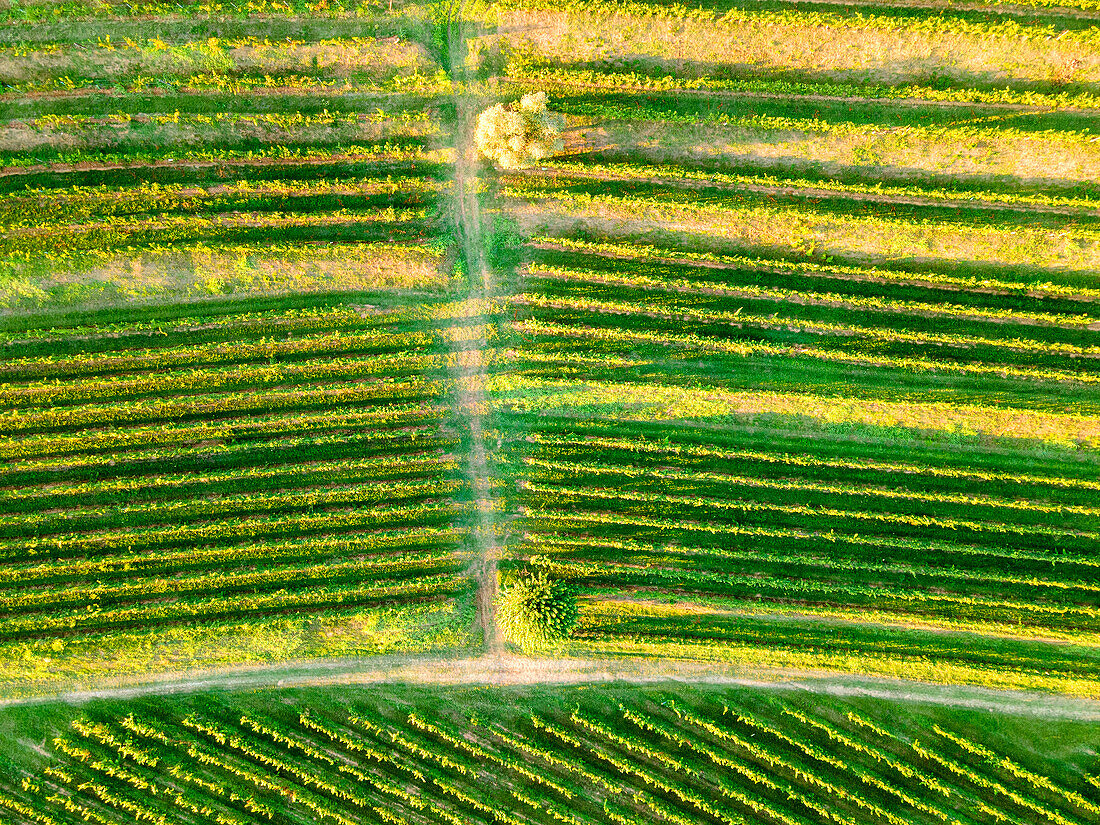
(224, 171)
(219, 102)
(844, 83)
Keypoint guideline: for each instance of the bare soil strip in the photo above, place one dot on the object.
(507, 670)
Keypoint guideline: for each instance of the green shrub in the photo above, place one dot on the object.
(535, 611)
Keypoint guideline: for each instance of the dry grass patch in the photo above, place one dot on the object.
(878, 152)
(201, 271)
(846, 51)
(873, 240)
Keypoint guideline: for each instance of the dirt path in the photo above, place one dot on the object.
(506, 670)
(471, 398)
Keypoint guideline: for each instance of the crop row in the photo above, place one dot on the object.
(424, 543)
(813, 588)
(224, 352)
(313, 598)
(686, 346)
(709, 282)
(683, 760)
(684, 310)
(561, 76)
(770, 183)
(912, 301)
(909, 24)
(898, 500)
(220, 582)
(113, 233)
(829, 559)
(956, 282)
(203, 381)
(407, 439)
(638, 448)
(702, 111)
(134, 489)
(182, 511)
(903, 649)
(932, 464)
(720, 507)
(156, 333)
(223, 530)
(346, 150)
(286, 120)
(381, 424)
(836, 227)
(46, 207)
(435, 84)
(330, 395)
(690, 532)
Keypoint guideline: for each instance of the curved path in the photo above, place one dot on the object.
(501, 669)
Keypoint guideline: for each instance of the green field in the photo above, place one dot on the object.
(804, 361)
(787, 366)
(542, 755)
(185, 485)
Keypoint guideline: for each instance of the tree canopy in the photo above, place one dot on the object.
(535, 611)
(515, 135)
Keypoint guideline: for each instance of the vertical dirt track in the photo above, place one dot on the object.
(471, 401)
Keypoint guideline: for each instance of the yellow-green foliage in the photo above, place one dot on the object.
(534, 611)
(515, 135)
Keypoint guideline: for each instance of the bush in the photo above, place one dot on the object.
(514, 135)
(534, 611)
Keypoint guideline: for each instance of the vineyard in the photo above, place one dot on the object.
(229, 431)
(803, 353)
(234, 474)
(607, 755)
(372, 371)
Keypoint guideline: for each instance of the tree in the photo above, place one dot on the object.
(535, 611)
(513, 135)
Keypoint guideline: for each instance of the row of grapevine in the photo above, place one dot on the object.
(255, 467)
(804, 362)
(618, 755)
